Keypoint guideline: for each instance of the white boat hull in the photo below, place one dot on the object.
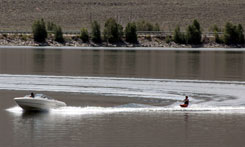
(38, 104)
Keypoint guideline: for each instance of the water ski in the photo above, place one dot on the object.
(183, 105)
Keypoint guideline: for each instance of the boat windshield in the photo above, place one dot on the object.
(40, 96)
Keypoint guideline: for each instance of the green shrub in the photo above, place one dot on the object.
(131, 33)
(113, 31)
(179, 37)
(58, 34)
(217, 37)
(148, 37)
(144, 26)
(39, 31)
(147, 26)
(51, 26)
(193, 33)
(84, 35)
(140, 25)
(156, 27)
(95, 34)
(215, 29)
(168, 39)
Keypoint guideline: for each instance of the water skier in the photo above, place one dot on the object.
(186, 102)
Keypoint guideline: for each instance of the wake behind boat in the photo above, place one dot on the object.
(38, 102)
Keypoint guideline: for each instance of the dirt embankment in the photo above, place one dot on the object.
(75, 14)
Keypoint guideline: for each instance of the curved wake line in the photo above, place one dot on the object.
(69, 110)
(200, 91)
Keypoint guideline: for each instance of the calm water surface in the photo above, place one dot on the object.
(203, 65)
(124, 98)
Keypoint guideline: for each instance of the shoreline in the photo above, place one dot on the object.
(144, 43)
(122, 48)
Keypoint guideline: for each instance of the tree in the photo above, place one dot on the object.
(230, 34)
(84, 35)
(58, 34)
(217, 38)
(120, 32)
(39, 31)
(216, 35)
(95, 34)
(240, 34)
(131, 33)
(196, 24)
(193, 33)
(179, 37)
(112, 31)
(215, 29)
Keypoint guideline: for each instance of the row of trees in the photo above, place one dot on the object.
(232, 34)
(114, 32)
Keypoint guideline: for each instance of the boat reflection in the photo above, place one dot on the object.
(33, 114)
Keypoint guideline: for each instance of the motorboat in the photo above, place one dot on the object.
(38, 102)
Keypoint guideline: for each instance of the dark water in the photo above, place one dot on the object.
(127, 129)
(110, 96)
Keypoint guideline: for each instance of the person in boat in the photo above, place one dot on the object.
(32, 95)
(186, 102)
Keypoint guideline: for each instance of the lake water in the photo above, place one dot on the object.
(124, 98)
